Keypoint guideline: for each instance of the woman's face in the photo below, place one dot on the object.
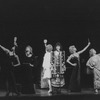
(49, 48)
(58, 48)
(73, 50)
(28, 51)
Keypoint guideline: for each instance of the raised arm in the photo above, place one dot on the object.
(15, 41)
(68, 61)
(79, 52)
(45, 43)
(5, 49)
(17, 59)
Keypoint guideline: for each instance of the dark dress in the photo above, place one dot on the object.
(74, 85)
(9, 74)
(27, 76)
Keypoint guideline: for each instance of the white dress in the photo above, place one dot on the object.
(47, 65)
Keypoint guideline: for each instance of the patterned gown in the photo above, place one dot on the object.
(57, 79)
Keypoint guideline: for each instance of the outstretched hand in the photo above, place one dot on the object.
(89, 42)
(45, 41)
(15, 41)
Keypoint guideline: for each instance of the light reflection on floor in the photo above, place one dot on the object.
(44, 92)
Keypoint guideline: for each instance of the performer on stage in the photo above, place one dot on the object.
(47, 65)
(94, 63)
(16, 61)
(74, 60)
(27, 71)
(58, 60)
(9, 68)
(29, 59)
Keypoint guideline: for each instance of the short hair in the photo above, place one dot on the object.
(49, 48)
(71, 48)
(58, 44)
(31, 50)
(92, 51)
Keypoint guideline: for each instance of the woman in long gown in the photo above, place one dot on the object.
(94, 63)
(58, 68)
(47, 66)
(27, 71)
(74, 60)
(12, 60)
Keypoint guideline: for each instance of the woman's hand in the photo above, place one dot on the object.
(79, 52)
(74, 64)
(89, 42)
(45, 41)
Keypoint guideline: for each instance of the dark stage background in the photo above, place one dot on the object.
(66, 21)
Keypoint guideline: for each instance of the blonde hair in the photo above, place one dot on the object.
(71, 48)
(49, 48)
(31, 50)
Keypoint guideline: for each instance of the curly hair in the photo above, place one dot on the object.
(58, 44)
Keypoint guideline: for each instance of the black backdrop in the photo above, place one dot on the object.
(66, 21)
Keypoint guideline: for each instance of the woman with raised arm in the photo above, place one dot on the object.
(74, 60)
(47, 65)
(94, 64)
(13, 56)
(10, 63)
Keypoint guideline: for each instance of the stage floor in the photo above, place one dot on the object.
(42, 94)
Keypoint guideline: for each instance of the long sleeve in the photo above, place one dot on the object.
(46, 61)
